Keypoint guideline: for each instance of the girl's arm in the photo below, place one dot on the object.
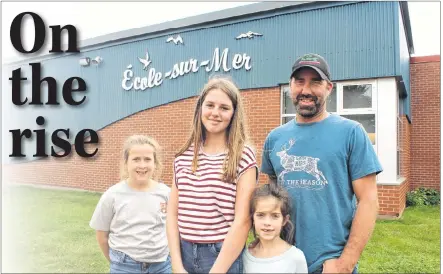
(101, 221)
(102, 239)
(238, 233)
(172, 231)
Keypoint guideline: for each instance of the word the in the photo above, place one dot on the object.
(52, 99)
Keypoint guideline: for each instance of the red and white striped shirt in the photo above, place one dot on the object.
(206, 204)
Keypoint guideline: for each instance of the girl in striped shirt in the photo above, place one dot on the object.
(215, 174)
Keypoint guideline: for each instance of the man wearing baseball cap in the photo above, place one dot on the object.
(327, 164)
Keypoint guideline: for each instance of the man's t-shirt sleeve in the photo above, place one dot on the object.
(266, 164)
(362, 160)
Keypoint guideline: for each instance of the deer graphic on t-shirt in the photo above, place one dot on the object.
(292, 163)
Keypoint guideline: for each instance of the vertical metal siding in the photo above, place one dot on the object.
(356, 39)
(403, 61)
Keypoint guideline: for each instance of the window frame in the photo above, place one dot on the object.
(339, 89)
(339, 96)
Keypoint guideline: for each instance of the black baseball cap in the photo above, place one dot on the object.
(314, 61)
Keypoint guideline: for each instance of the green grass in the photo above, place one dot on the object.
(411, 244)
(48, 231)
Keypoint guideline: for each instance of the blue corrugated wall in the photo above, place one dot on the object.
(360, 40)
(402, 59)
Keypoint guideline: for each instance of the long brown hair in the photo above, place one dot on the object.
(237, 132)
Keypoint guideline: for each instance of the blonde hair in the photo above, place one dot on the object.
(141, 140)
(237, 132)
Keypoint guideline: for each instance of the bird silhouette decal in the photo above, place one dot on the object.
(176, 40)
(249, 35)
(145, 62)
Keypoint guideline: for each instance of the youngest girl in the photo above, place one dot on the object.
(130, 218)
(272, 250)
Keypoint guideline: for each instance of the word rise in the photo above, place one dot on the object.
(80, 141)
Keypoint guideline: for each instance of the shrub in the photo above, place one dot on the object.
(423, 196)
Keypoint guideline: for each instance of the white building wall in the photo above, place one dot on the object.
(386, 129)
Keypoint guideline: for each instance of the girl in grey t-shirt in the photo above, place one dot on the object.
(130, 218)
(272, 251)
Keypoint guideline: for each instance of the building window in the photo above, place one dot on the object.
(355, 100)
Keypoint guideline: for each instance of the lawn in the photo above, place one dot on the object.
(47, 231)
(411, 244)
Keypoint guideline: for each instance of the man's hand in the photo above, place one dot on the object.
(336, 266)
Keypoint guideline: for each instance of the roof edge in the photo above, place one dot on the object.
(425, 59)
(196, 20)
(407, 25)
(215, 16)
(254, 10)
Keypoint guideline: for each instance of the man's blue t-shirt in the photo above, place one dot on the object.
(316, 163)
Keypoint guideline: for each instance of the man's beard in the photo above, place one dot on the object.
(308, 111)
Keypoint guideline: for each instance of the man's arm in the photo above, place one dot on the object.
(363, 225)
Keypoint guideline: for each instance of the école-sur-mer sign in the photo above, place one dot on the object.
(155, 78)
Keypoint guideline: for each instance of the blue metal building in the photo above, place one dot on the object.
(367, 44)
